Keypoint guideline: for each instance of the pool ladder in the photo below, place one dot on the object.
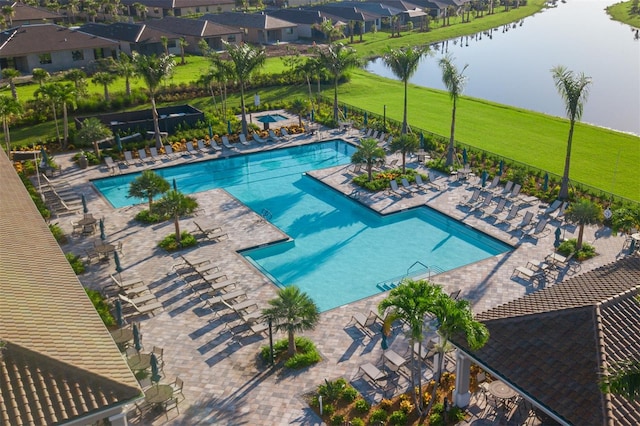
(393, 282)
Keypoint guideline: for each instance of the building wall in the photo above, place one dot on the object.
(61, 60)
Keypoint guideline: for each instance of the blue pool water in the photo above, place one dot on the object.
(340, 251)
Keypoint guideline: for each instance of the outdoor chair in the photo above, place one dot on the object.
(284, 133)
(274, 137)
(214, 145)
(128, 158)
(257, 138)
(203, 149)
(168, 152)
(529, 274)
(471, 201)
(394, 187)
(526, 221)
(538, 231)
(559, 214)
(507, 188)
(511, 214)
(243, 140)
(408, 187)
(371, 373)
(499, 208)
(170, 404)
(484, 203)
(154, 153)
(148, 308)
(365, 322)
(515, 191)
(552, 207)
(159, 352)
(226, 143)
(494, 184)
(111, 165)
(190, 149)
(432, 181)
(142, 155)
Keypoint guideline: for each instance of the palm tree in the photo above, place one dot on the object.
(293, 311)
(406, 144)
(105, 78)
(299, 107)
(125, 68)
(79, 81)
(625, 219)
(92, 130)
(368, 153)
(67, 96)
(574, 90)
(50, 93)
(148, 185)
(410, 302)
(330, 31)
(182, 42)
(584, 212)
(72, 8)
(40, 75)
(404, 63)
(140, 9)
(337, 58)
(175, 204)
(245, 60)
(11, 74)
(153, 70)
(455, 81)
(454, 317)
(8, 107)
(165, 44)
(8, 12)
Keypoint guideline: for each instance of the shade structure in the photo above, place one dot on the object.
(556, 242)
(464, 156)
(137, 342)
(500, 168)
(210, 131)
(483, 178)
(366, 118)
(383, 342)
(118, 142)
(267, 119)
(175, 185)
(44, 158)
(119, 318)
(153, 363)
(229, 127)
(545, 184)
(116, 259)
(102, 234)
(84, 205)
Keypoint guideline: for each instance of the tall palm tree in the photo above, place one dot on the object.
(153, 70)
(78, 77)
(125, 67)
(8, 12)
(337, 58)
(105, 78)
(410, 302)
(11, 74)
(182, 42)
(574, 90)
(584, 212)
(368, 153)
(165, 44)
(8, 108)
(66, 96)
(406, 144)
(92, 130)
(454, 317)
(148, 185)
(49, 92)
(245, 60)
(293, 311)
(175, 204)
(40, 75)
(299, 107)
(403, 64)
(330, 31)
(140, 9)
(454, 80)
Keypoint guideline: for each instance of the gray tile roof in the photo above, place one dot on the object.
(60, 362)
(132, 33)
(554, 344)
(191, 27)
(248, 20)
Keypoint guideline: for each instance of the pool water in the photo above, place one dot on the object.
(340, 251)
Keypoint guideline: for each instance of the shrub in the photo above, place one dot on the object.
(398, 418)
(362, 406)
(349, 394)
(438, 408)
(337, 419)
(332, 390)
(436, 419)
(307, 353)
(385, 404)
(357, 422)
(58, 233)
(456, 414)
(101, 307)
(378, 415)
(145, 216)
(567, 247)
(328, 409)
(75, 262)
(303, 360)
(169, 242)
(406, 406)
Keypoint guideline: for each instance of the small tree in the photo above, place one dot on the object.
(583, 212)
(148, 185)
(455, 81)
(10, 75)
(337, 59)
(165, 44)
(175, 204)
(293, 311)
(8, 108)
(368, 153)
(125, 67)
(49, 92)
(78, 77)
(299, 107)
(92, 130)
(406, 144)
(105, 79)
(183, 44)
(40, 75)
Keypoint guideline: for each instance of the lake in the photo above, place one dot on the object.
(511, 64)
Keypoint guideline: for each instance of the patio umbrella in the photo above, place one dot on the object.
(545, 185)
(210, 131)
(84, 204)
(228, 127)
(421, 140)
(500, 168)
(118, 142)
(175, 185)
(556, 242)
(153, 362)
(44, 158)
(345, 111)
(136, 338)
(483, 178)
(102, 234)
(119, 319)
(366, 118)
(313, 114)
(464, 156)
(116, 259)
(383, 342)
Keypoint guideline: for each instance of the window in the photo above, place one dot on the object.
(171, 43)
(77, 55)
(45, 58)
(197, 10)
(288, 30)
(98, 53)
(231, 38)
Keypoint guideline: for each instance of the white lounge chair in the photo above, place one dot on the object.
(530, 274)
(128, 158)
(214, 145)
(394, 187)
(154, 153)
(111, 165)
(190, 149)
(274, 137)
(471, 202)
(226, 143)
(243, 140)
(203, 149)
(365, 322)
(257, 138)
(408, 187)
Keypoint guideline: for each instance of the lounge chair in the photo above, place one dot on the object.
(111, 165)
(530, 274)
(284, 133)
(538, 230)
(511, 214)
(365, 322)
(408, 187)
(371, 373)
(223, 299)
(148, 308)
(243, 140)
(471, 202)
(515, 191)
(203, 149)
(552, 207)
(142, 155)
(394, 187)
(214, 145)
(374, 135)
(134, 286)
(128, 158)
(190, 149)
(559, 214)
(391, 164)
(274, 137)
(257, 138)
(206, 230)
(526, 221)
(432, 181)
(168, 152)
(484, 203)
(494, 184)
(499, 208)
(154, 153)
(558, 261)
(425, 354)
(226, 143)
(507, 188)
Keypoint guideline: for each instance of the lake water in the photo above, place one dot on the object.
(511, 65)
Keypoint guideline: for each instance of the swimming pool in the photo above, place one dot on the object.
(340, 251)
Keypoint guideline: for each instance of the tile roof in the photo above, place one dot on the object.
(297, 16)
(57, 345)
(24, 12)
(554, 344)
(44, 38)
(191, 27)
(248, 20)
(132, 33)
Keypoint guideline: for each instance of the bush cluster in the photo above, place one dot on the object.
(75, 262)
(169, 242)
(101, 307)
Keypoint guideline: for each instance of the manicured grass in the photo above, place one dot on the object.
(621, 12)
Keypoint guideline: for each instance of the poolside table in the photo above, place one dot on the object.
(139, 362)
(122, 335)
(157, 394)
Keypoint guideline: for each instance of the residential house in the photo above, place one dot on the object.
(162, 8)
(24, 14)
(554, 345)
(137, 37)
(257, 27)
(58, 362)
(51, 47)
(345, 14)
(303, 18)
(194, 30)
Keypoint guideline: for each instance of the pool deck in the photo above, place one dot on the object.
(225, 383)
